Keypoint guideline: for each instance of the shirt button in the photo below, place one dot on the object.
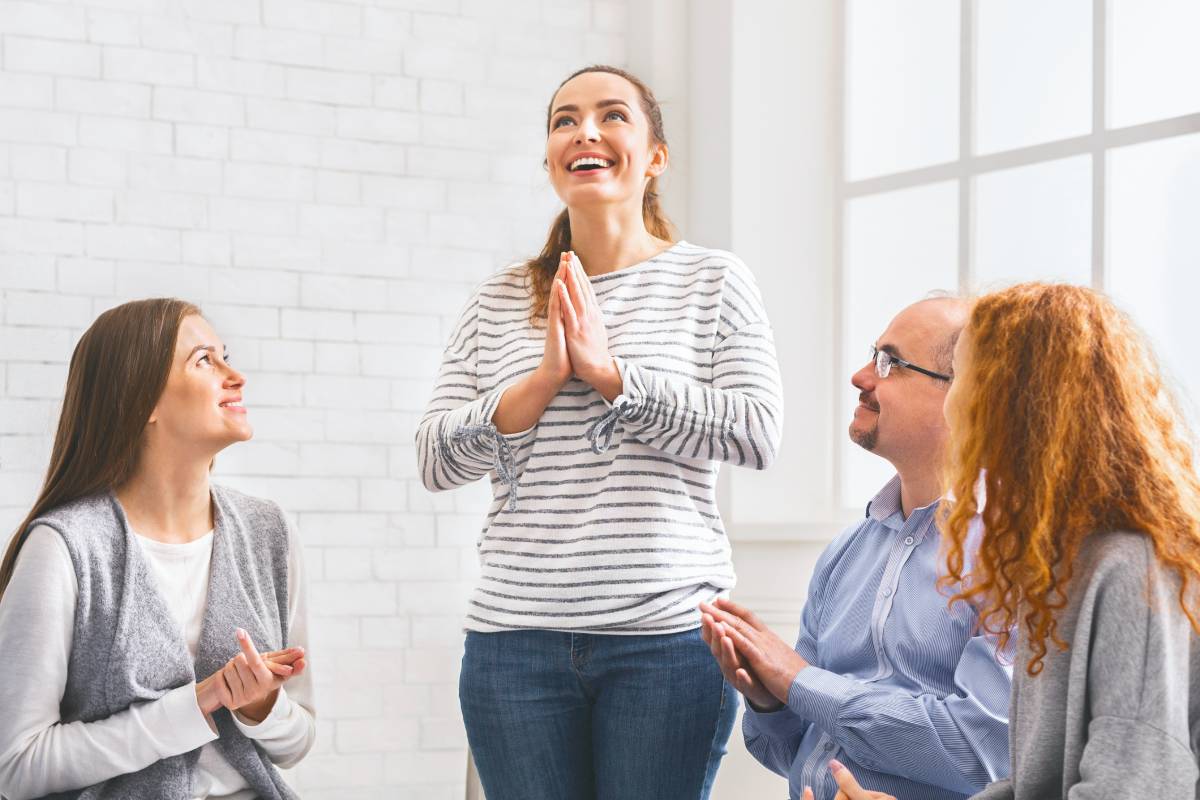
(909, 540)
(887, 592)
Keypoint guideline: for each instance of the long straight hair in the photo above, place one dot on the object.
(542, 267)
(118, 371)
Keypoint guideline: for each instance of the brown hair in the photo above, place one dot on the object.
(1074, 430)
(541, 268)
(118, 371)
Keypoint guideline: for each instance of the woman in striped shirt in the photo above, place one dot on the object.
(602, 384)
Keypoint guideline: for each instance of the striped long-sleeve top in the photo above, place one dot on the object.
(604, 516)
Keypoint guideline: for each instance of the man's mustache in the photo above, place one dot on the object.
(867, 401)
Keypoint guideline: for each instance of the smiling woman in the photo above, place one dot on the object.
(607, 379)
(132, 576)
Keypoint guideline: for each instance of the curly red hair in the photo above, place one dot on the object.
(1066, 416)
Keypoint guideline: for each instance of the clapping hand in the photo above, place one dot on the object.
(737, 673)
(250, 681)
(769, 661)
(848, 788)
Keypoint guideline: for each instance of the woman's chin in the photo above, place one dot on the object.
(583, 196)
(243, 433)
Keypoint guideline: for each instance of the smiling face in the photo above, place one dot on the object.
(600, 148)
(899, 417)
(200, 411)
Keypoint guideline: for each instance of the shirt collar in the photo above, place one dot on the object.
(886, 506)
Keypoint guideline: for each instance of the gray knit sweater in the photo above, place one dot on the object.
(1117, 715)
(127, 648)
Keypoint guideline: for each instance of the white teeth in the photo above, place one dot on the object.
(237, 404)
(589, 161)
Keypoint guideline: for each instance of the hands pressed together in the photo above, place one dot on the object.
(762, 667)
(753, 659)
(576, 338)
(250, 681)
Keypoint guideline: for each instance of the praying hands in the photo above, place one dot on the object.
(753, 659)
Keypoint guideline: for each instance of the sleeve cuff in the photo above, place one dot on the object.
(633, 387)
(272, 724)
(779, 724)
(621, 368)
(185, 726)
(491, 403)
(817, 695)
(519, 438)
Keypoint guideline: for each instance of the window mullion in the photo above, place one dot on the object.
(840, 501)
(1100, 69)
(966, 144)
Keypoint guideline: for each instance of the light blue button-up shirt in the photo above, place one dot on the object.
(900, 688)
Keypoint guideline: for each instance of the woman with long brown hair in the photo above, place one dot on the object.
(136, 594)
(602, 384)
(1066, 440)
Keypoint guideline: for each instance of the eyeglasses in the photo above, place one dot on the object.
(884, 361)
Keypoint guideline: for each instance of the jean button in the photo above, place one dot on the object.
(908, 540)
(828, 746)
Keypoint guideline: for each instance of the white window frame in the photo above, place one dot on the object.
(964, 170)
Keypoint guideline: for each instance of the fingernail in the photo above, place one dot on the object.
(241, 633)
(836, 765)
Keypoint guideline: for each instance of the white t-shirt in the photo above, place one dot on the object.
(39, 754)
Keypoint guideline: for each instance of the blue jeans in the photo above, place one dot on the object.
(577, 716)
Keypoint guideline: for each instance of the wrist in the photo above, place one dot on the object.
(764, 705)
(795, 668)
(206, 699)
(545, 384)
(605, 378)
(257, 712)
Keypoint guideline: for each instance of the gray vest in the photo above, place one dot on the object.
(127, 648)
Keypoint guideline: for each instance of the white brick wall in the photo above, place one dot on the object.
(328, 180)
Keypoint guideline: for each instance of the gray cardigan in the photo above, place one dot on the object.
(1117, 714)
(127, 648)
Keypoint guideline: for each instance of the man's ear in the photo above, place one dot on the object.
(660, 155)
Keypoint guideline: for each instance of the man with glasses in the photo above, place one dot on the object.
(884, 678)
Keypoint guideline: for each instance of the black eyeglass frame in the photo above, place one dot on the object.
(896, 361)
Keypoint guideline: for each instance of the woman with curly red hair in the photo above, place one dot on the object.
(1092, 546)
(1091, 557)
(1065, 438)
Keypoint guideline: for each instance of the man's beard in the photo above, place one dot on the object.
(866, 439)
(869, 438)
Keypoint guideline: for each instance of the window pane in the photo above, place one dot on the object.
(1155, 249)
(899, 246)
(901, 85)
(1034, 223)
(1155, 60)
(1034, 72)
